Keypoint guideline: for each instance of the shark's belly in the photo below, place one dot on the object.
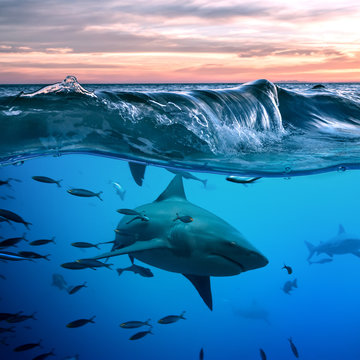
(194, 265)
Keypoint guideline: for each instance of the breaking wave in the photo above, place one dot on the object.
(257, 128)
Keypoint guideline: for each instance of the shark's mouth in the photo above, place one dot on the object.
(241, 266)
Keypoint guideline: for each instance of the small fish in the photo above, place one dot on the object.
(128, 212)
(91, 263)
(293, 348)
(7, 181)
(321, 261)
(47, 180)
(184, 219)
(239, 180)
(11, 216)
(74, 357)
(84, 245)
(136, 269)
(2, 277)
(76, 288)
(33, 255)
(26, 347)
(6, 316)
(201, 354)
(4, 330)
(75, 266)
(140, 335)
(262, 354)
(289, 286)
(135, 324)
(10, 256)
(85, 193)
(187, 175)
(119, 190)
(59, 281)
(139, 217)
(20, 318)
(172, 318)
(80, 322)
(42, 242)
(12, 241)
(45, 355)
(288, 269)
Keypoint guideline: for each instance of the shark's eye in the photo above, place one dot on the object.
(232, 243)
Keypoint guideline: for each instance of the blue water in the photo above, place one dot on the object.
(276, 215)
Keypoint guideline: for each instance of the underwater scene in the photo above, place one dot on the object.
(186, 221)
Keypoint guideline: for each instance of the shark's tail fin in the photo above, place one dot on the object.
(204, 182)
(119, 271)
(311, 249)
(295, 283)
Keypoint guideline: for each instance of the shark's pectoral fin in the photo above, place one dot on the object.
(138, 172)
(136, 247)
(203, 286)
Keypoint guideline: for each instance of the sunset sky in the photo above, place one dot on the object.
(42, 41)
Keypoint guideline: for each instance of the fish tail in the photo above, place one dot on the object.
(205, 182)
(46, 257)
(98, 195)
(53, 240)
(39, 343)
(52, 352)
(182, 315)
(147, 322)
(177, 217)
(32, 316)
(27, 225)
(85, 284)
(120, 271)
(58, 183)
(109, 266)
(92, 319)
(295, 283)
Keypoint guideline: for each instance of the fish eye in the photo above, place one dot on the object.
(232, 243)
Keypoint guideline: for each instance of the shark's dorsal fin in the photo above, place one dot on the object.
(341, 230)
(174, 190)
(138, 172)
(203, 286)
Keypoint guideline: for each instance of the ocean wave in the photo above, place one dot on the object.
(251, 129)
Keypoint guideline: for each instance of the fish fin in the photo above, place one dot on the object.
(98, 195)
(131, 257)
(295, 283)
(138, 172)
(203, 286)
(53, 239)
(27, 225)
(174, 190)
(204, 182)
(182, 315)
(119, 271)
(46, 257)
(356, 253)
(92, 319)
(23, 237)
(341, 229)
(133, 248)
(311, 249)
(58, 183)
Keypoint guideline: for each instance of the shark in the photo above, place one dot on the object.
(342, 243)
(207, 246)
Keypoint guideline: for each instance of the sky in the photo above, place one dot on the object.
(142, 41)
